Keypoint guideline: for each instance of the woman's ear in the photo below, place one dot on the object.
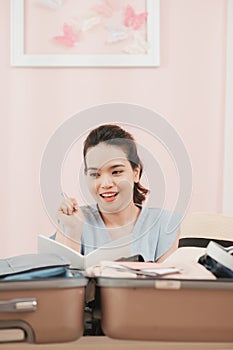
(137, 174)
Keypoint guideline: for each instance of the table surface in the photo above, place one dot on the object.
(105, 343)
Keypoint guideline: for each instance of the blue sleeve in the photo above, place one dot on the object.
(168, 232)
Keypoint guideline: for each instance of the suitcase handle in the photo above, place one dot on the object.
(13, 328)
(19, 305)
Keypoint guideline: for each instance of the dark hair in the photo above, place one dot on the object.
(116, 136)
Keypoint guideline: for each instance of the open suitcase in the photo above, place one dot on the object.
(47, 310)
(167, 309)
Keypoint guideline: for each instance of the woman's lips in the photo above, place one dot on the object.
(109, 196)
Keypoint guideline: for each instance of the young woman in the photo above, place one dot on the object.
(113, 171)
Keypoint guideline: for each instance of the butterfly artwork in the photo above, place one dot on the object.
(133, 20)
(90, 23)
(69, 37)
(117, 33)
(106, 8)
(139, 45)
(53, 4)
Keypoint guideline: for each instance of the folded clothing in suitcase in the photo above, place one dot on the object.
(167, 309)
(218, 260)
(32, 266)
(47, 309)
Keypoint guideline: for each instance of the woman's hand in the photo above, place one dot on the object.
(70, 218)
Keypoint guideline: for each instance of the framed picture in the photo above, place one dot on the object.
(90, 33)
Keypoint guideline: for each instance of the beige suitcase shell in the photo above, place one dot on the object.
(48, 310)
(167, 309)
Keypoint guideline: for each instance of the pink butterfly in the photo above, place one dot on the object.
(133, 20)
(107, 7)
(69, 38)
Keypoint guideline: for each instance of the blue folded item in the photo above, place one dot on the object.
(34, 266)
(40, 273)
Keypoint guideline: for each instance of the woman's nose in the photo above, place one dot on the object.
(106, 181)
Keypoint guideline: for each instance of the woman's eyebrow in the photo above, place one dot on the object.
(117, 165)
(111, 167)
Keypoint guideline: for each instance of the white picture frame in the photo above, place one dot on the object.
(227, 198)
(149, 59)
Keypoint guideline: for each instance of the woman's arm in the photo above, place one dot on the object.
(61, 238)
(70, 222)
(173, 248)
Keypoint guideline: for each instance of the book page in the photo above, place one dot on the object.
(119, 248)
(110, 251)
(48, 245)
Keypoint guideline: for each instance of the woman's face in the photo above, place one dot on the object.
(110, 177)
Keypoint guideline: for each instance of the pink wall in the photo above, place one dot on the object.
(188, 89)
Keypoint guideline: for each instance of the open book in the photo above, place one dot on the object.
(110, 251)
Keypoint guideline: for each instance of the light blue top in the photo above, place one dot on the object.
(153, 234)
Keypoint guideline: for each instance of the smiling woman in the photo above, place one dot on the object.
(110, 177)
(113, 171)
